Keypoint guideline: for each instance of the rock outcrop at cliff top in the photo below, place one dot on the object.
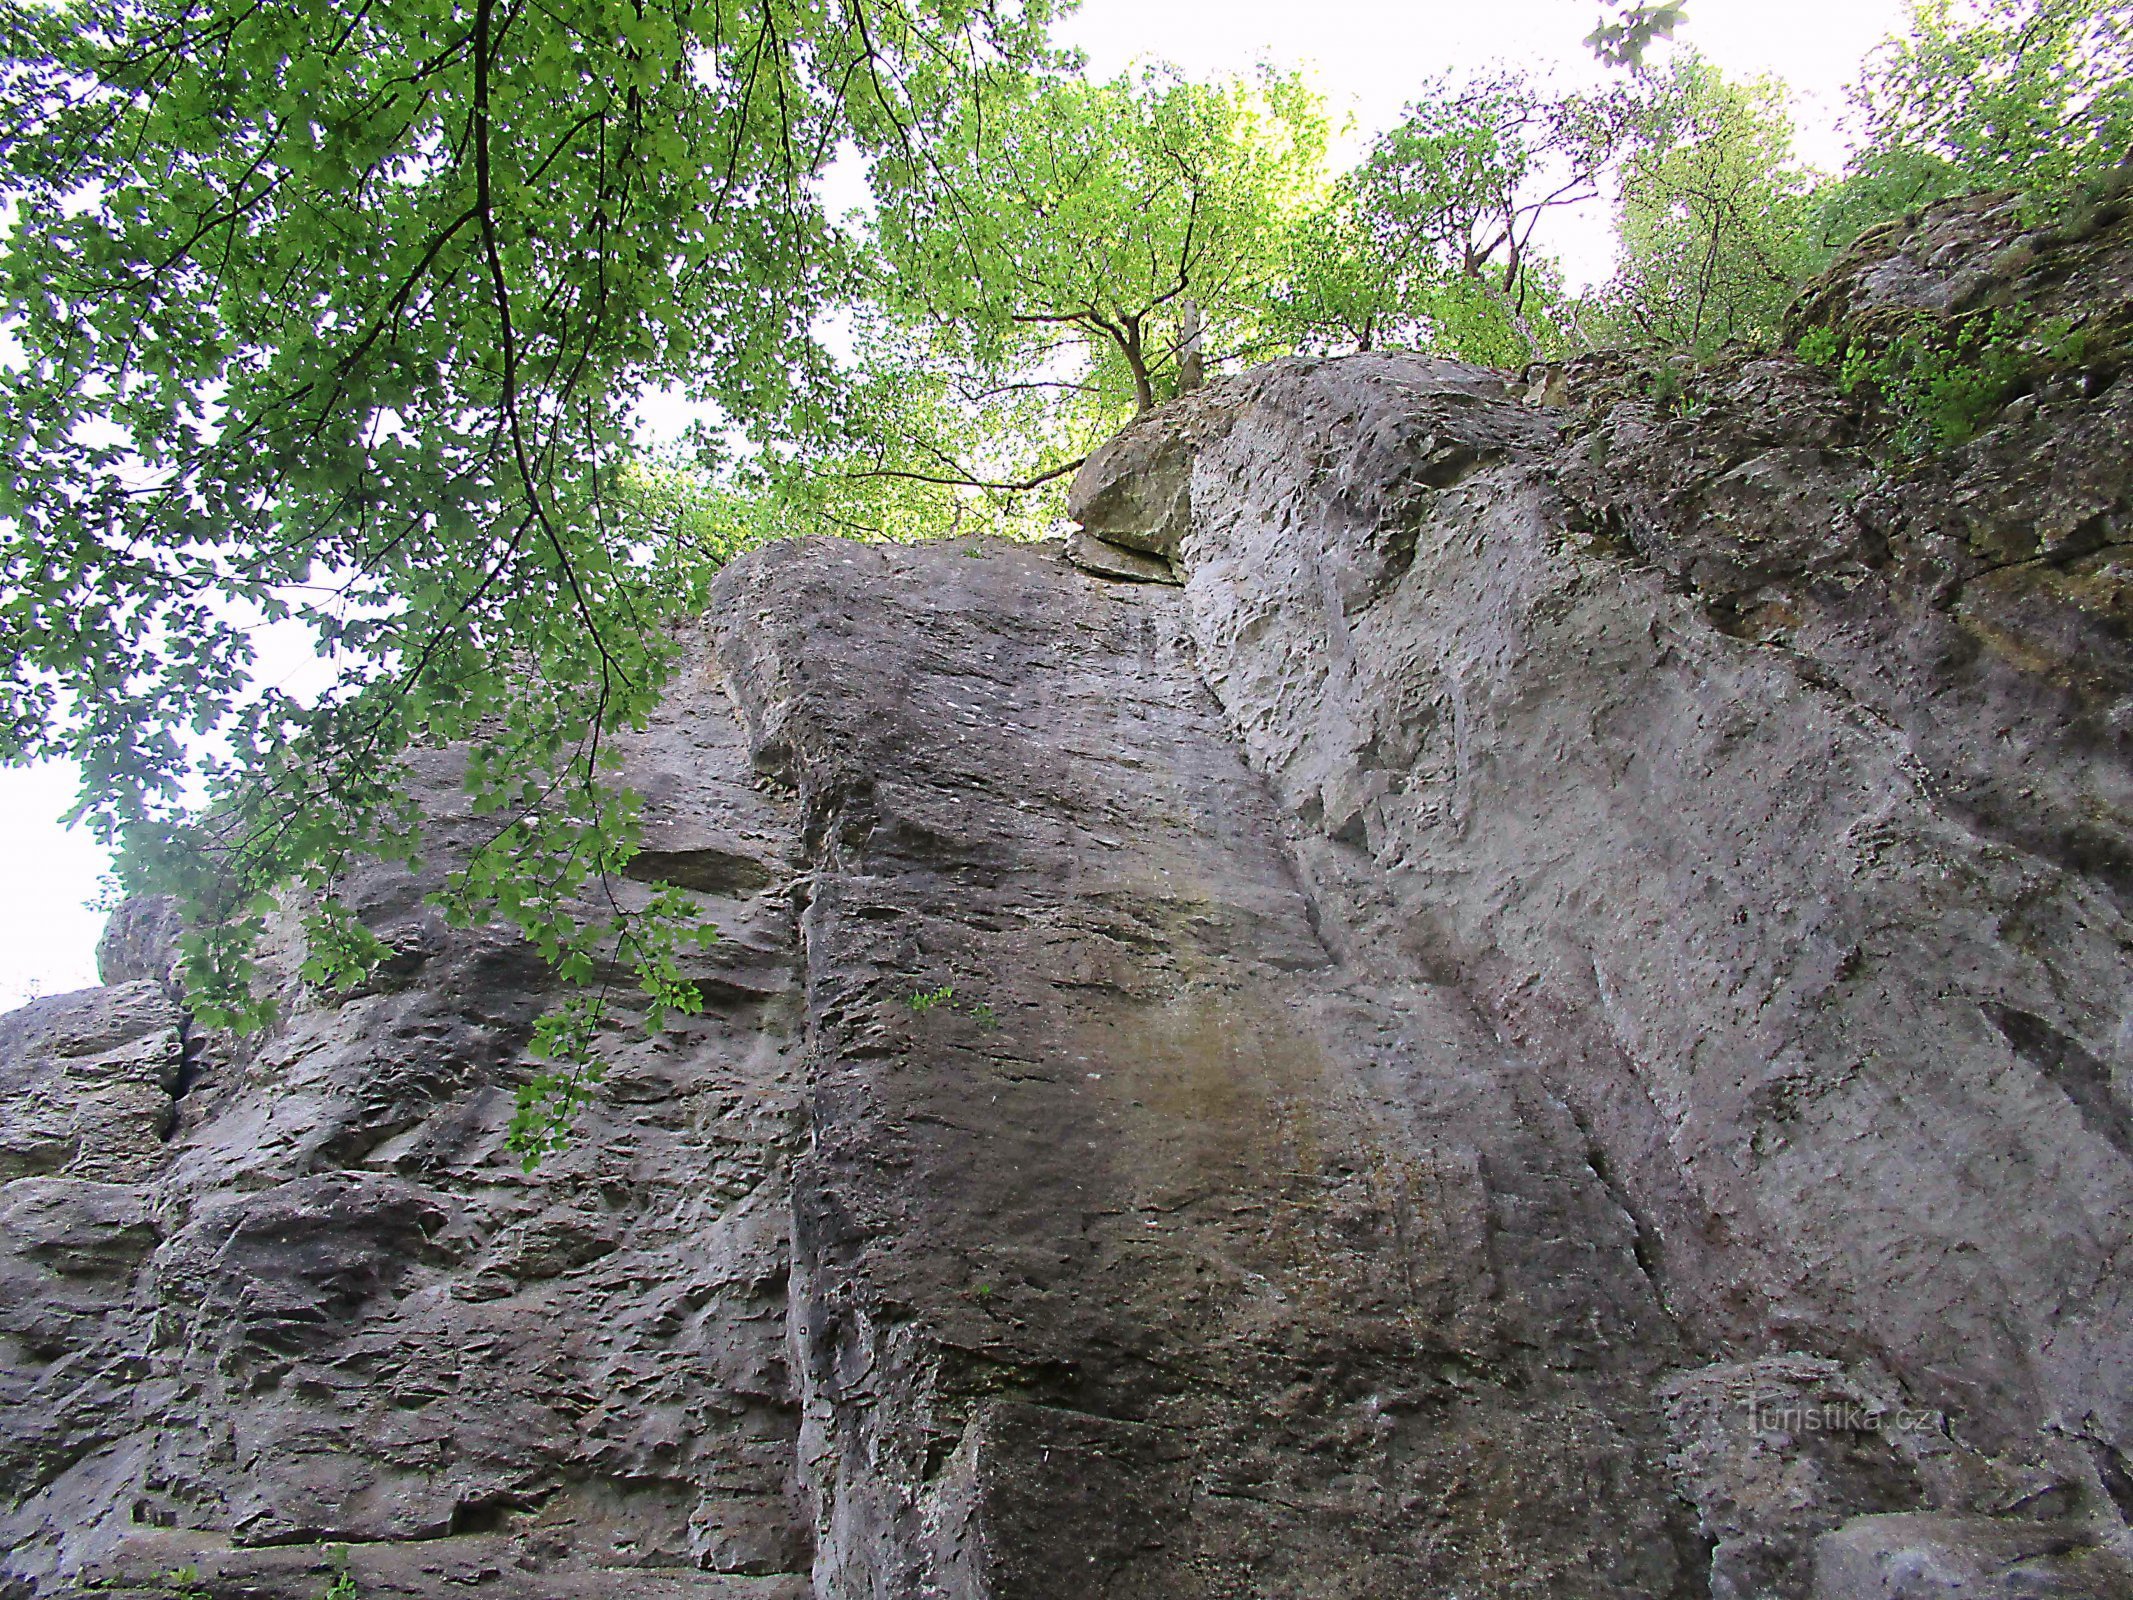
(1554, 1022)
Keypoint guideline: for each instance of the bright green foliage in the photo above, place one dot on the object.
(343, 1586)
(1429, 242)
(1941, 379)
(1093, 211)
(2035, 95)
(689, 523)
(338, 311)
(1029, 289)
(1719, 224)
(920, 442)
(1343, 284)
(339, 950)
(980, 1012)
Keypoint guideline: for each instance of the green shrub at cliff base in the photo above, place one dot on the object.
(338, 312)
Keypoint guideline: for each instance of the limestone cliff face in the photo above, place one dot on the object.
(1552, 1018)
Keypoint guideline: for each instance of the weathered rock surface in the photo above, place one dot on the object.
(1555, 1022)
(1108, 560)
(1176, 1260)
(261, 1303)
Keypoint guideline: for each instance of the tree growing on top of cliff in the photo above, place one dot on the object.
(1030, 285)
(1718, 223)
(1081, 218)
(2034, 95)
(1429, 241)
(338, 311)
(1721, 225)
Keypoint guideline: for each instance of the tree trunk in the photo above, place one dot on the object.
(1192, 369)
(1137, 364)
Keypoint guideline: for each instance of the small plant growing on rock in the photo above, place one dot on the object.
(343, 1586)
(1943, 380)
(978, 1011)
(1819, 347)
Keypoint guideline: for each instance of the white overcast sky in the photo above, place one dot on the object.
(1365, 56)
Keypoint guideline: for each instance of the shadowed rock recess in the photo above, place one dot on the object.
(1546, 1014)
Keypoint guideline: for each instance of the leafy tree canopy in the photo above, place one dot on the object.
(1430, 240)
(1032, 278)
(1718, 224)
(1095, 211)
(2034, 95)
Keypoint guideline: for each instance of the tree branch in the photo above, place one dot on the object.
(1023, 485)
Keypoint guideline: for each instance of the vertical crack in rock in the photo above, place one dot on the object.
(2081, 1077)
(1138, 1249)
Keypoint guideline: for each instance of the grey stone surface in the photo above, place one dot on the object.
(1554, 1023)
(266, 1297)
(1108, 560)
(1722, 898)
(1172, 1260)
(1937, 1556)
(140, 943)
(86, 1083)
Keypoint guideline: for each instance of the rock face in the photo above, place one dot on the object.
(1555, 1022)
(265, 1300)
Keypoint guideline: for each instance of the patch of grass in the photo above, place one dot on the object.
(978, 1011)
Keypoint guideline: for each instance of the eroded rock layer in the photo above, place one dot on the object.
(1554, 1022)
